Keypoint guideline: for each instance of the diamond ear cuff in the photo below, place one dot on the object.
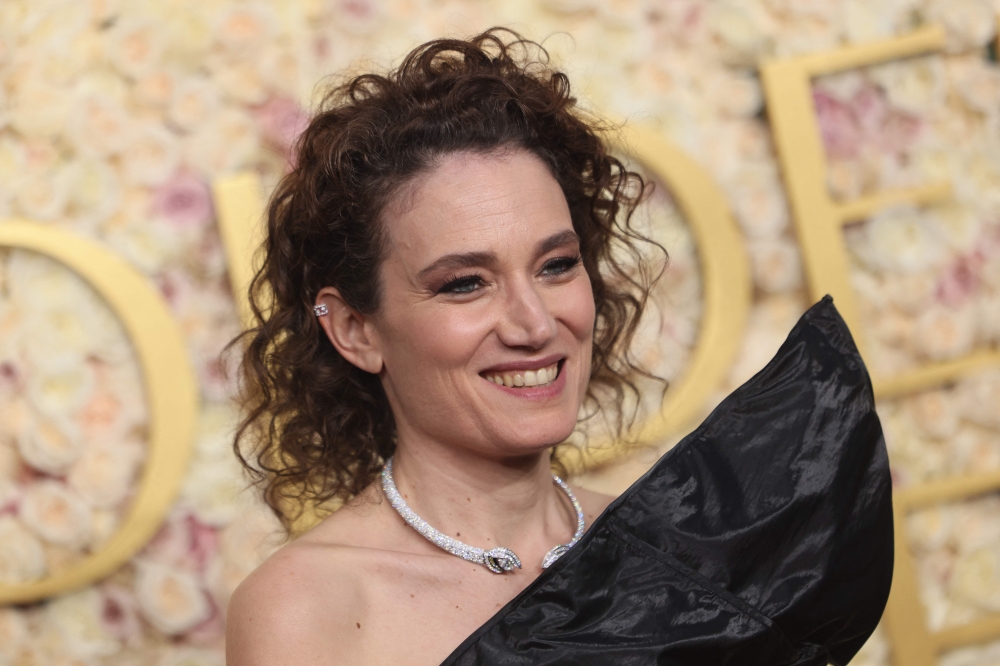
(321, 310)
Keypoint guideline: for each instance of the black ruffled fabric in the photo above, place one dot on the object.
(764, 537)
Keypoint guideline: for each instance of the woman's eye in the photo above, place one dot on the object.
(463, 285)
(560, 265)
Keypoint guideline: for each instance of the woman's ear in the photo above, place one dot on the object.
(350, 332)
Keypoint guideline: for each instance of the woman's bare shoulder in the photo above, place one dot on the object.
(301, 605)
(593, 503)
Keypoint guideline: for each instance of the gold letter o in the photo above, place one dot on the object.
(171, 394)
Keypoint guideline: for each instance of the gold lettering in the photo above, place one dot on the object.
(171, 394)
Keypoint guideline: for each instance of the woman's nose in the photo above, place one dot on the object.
(528, 321)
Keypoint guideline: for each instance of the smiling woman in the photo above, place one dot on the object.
(450, 280)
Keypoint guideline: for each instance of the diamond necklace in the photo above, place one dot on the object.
(497, 560)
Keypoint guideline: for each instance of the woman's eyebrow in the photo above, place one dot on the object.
(455, 261)
(556, 241)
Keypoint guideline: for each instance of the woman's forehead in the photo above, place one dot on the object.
(479, 202)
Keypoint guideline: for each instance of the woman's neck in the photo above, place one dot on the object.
(486, 502)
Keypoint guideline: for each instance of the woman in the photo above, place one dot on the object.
(450, 279)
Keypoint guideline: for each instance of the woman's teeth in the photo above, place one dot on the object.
(525, 378)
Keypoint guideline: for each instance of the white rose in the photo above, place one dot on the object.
(135, 47)
(39, 108)
(958, 225)
(776, 265)
(99, 126)
(935, 413)
(246, 27)
(104, 473)
(148, 245)
(37, 281)
(56, 513)
(173, 601)
(736, 93)
(43, 195)
(943, 333)
(22, 558)
(283, 69)
(929, 529)
(95, 191)
(62, 387)
(910, 293)
(194, 101)
(213, 488)
(901, 240)
(916, 85)
(226, 143)
(979, 398)
(77, 619)
(742, 31)
(870, 20)
(151, 156)
(240, 79)
(13, 631)
(50, 445)
(969, 24)
(842, 86)
(759, 200)
(845, 179)
(157, 88)
(976, 578)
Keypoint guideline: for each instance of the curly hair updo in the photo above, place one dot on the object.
(316, 427)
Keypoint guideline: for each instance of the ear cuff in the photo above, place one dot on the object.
(321, 310)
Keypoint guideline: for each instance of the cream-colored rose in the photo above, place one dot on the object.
(742, 32)
(50, 445)
(225, 143)
(172, 600)
(900, 240)
(359, 17)
(135, 47)
(934, 413)
(13, 160)
(148, 245)
(958, 225)
(56, 513)
(104, 473)
(99, 126)
(842, 86)
(95, 191)
(979, 398)
(988, 311)
(910, 293)
(240, 79)
(157, 87)
(151, 156)
(944, 333)
(283, 70)
(62, 387)
(214, 489)
(917, 85)
(759, 200)
(194, 101)
(245, 27)
(39, 108)
(969, 24)
(929, 529)
(43, 195)
(13, 631)
(978, 84)
(735, 93)
(776, 265)
(77, 619)
(869, 20)
(976, 578)
(22, 558)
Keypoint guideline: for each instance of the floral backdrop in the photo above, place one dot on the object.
(115, 116)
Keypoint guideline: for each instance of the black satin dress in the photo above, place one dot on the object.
(763, 538)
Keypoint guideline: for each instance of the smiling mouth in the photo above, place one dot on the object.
(525, 378)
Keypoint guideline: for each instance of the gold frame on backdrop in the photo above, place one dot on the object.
(725, 270)
(171, 396)
(819, 222)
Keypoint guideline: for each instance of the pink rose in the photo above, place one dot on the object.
(184, 200)
(281, 122)
(959, 281)
(119, 615)
(838, 126)
(183, 542)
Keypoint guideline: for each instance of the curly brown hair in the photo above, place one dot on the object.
(316, 427)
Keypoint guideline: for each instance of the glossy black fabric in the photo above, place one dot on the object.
(764, 537)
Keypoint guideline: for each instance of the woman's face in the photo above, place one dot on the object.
(486, 321)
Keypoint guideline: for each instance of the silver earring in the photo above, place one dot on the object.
(321, 310)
